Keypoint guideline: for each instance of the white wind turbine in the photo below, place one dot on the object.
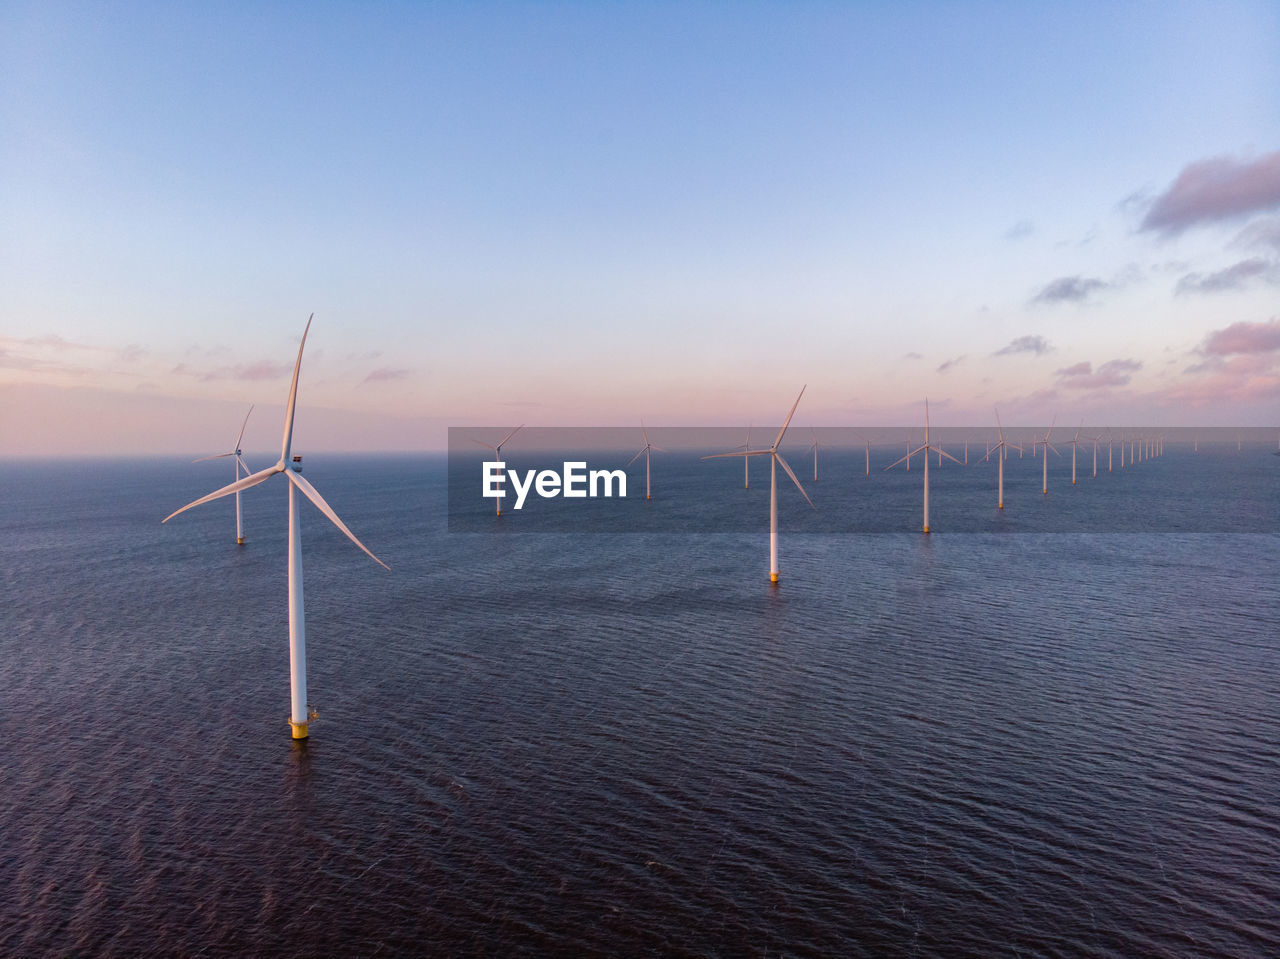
(815, 453)
(497, 458)
(774, 459)
(867, 443)
(645, 450)
(926, 448)
(1047, 446)
(239, 465)
(1075, 442)
(1001, 449)
(300, 713)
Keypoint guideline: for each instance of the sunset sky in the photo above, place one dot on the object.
(585, 214)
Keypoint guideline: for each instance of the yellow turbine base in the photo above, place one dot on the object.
(773, 577)
(239, 540)
(999, 505)
(299, 730)
(926, 529)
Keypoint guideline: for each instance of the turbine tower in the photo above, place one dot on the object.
(1047, 446)
(300, 713)
(645, 450)
(926, 448)
(239, 465)
(497, 456)
(1001, 451)
(775, 458)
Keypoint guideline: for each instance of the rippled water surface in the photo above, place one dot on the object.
(967, 744)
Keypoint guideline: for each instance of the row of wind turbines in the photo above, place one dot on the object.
(300, 711)
(1140, 448)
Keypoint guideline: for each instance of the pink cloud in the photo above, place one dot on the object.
(385, 374)
(1231, 278)
(1113, 373)
(1069, 289)
(1026, 344)
(1219, 188)
(1234, 380)
(1244, 338)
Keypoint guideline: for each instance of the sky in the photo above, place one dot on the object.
(585, 214)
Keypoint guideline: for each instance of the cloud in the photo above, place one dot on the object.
(1020, 230)
(1026, 344)
(1069, 289)
(1082, 376)
(252, 372)
(1232, 278)
(950, 363)
(1263, 234)
(385, 374)
(1219, 188)
(1079, 369)
(1244, 338)
(913, 356)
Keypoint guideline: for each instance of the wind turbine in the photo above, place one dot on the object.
(300, 712)
(815, 454)
(1075, 441)
(1047, 446)
(867, 442)
(926, 448)
(645, 450)
(1001, 451)
(774, 459)
(497, 457)
(239, 464)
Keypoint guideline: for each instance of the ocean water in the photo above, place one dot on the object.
(565, 743)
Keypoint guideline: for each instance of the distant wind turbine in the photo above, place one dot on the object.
(645, 450)
(300, 712)
(1047, 446)
(1001, 451)
(775, 458)
(815, 454)
(1075, 442)
(497, 456)
(925, 448)
(867, 443)
(240, 464)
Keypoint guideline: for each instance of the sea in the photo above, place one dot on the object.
(1051, 733)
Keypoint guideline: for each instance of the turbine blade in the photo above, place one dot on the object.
(716, 456)
(260, 477)
(644, 433)
(287, 442)
(486, 445)
(657, 449)
(999, 430)
(314, 495)
(507, 437)
(949, 456)
(240, 460)
(242, 426)
(783, 431)
(215, 456)
(784, 465)
(637, 456)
